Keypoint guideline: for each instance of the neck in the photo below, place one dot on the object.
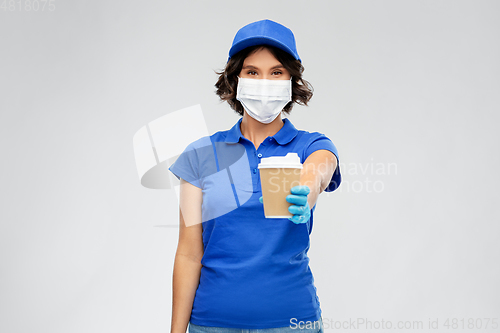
(256, 131)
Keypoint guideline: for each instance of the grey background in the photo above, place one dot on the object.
(407, 83)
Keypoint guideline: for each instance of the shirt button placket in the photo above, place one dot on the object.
(256, 170)
(259, 155)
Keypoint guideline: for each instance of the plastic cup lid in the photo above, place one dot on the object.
(291, 160)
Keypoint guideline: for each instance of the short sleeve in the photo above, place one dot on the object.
(321, 141)
(187, 166)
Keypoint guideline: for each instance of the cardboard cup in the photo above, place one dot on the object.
(278, 174)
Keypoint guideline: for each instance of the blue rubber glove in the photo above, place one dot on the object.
(300, 207)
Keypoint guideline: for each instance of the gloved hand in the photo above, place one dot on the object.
(300, 207)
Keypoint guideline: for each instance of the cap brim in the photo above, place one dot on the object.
(252, 41)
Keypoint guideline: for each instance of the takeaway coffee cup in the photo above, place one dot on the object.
(278, 174)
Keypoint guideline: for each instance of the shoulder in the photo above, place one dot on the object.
(220, 136)
(311, 136)
(198, 143)
(308, 138)
(313, 141)
(202, 142)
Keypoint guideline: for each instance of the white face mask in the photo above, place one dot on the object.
(264, 99)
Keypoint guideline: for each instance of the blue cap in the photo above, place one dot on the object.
(265, 32)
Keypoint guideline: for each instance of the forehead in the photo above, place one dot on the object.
(261, 56)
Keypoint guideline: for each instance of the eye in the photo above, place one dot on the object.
(251, 72)
(277, 72)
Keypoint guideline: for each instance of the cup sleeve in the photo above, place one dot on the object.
(321, 141)
(187, 166)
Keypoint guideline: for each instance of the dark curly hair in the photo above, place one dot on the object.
(302, 90)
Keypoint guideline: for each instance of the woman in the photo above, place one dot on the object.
(234, 269)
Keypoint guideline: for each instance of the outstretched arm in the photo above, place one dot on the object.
(317, 171)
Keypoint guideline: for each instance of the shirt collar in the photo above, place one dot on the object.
(284, 135)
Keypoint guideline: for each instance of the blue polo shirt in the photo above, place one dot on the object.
(255, 271)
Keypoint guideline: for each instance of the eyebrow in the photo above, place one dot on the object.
(253, 67)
